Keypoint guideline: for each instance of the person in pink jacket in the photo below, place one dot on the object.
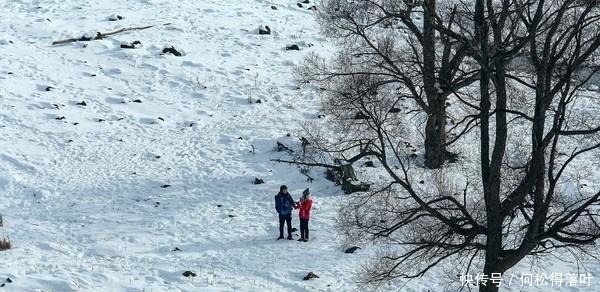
(304, 206)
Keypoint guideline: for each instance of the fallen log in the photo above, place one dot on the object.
(100, 35)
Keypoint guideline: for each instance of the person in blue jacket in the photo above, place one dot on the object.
(284, 203)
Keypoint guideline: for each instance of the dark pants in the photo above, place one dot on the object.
(304, 229)
(287, 219)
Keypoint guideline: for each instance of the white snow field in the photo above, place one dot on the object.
(97, 197)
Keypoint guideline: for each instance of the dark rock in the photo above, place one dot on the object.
(176, 249)
(231, 216)
(306, 1)
(101, 120)
(369, 164)
(60, 118)
(189, 274)
(165, 186)
(172, 50)
(219, 205)
(136, 101)
(264, 29)
(422, 182)
(258, 181)
(310, 275)
(115, 18)
(49, 88)
(75, 124)
(9, 280)
(82, 103)
(69, 141)
(134, 45)
(258, 101)
(361, 116)
(292, 48)
(394, 110)
(161, 119)
(299, 5)
(352, 249)
(413, 156)
(273, 7)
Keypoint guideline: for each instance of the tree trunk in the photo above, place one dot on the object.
(435, 136)
(435, 129)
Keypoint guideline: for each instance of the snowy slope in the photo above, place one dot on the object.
(82, 198)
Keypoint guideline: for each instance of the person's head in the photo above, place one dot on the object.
(305, 195)
(283, 189)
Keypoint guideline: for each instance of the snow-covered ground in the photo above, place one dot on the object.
(82, 197)
(97, 197)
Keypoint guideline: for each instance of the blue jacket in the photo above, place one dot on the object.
(284, 204)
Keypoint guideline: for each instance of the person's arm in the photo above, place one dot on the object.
(276, 205)
(293, 204)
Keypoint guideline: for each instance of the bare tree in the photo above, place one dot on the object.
(523, 195)
(396, 43)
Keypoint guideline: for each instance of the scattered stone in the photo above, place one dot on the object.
(49, 88)
(9, 280)
(82, 103)
(394, 110)
(413, 156)
(352, 249)
(165, 186)
(240, 138)
(258, 181)
(60, 118)
(292, 48)
(69, 141)
(161, 119)
(361, 116)
(115, 17)
(189, 274)
(264, 29)
(273, 7)
(134, 45)
(219, 205)
(310, 275)
(101, 120)
(258, 101)
(75, 124)
(299, 5)
(156, 204)
(176, 249)
(172, 50)
(137, 101)
(231, 216)
(369, 164)
(306, 1)
(422, 182)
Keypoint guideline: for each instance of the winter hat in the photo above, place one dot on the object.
(306, 192)
(282, 187)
